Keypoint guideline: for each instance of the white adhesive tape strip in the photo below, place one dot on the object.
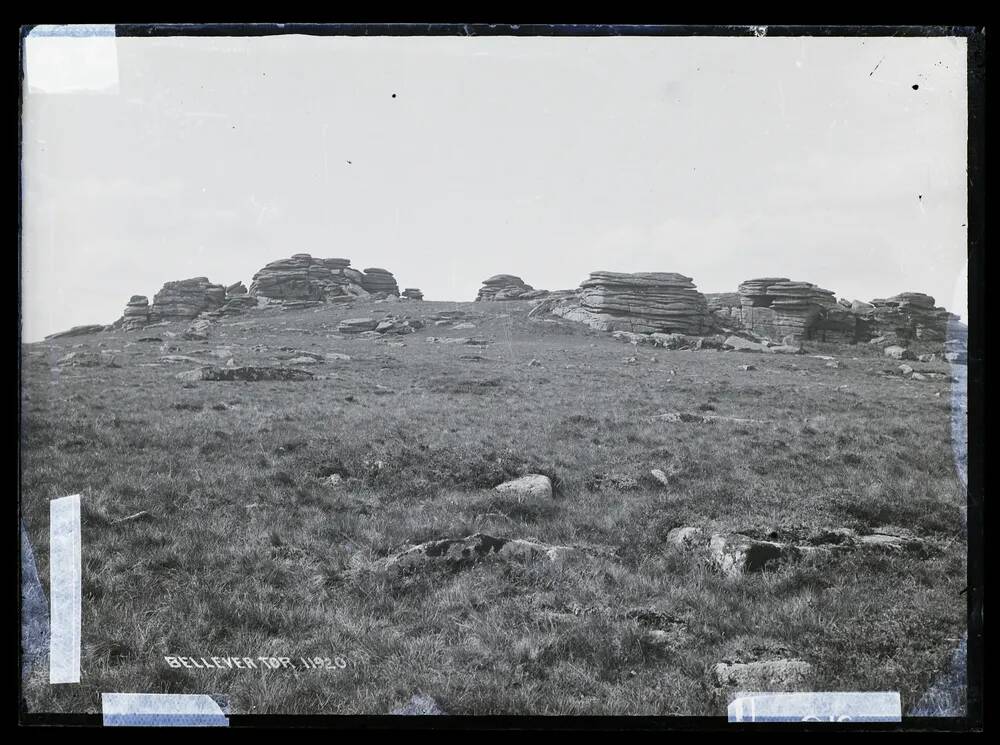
(832, 706)
(64, 588)
(161, 710)
(71, 59)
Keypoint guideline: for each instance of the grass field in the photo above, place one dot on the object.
(245, 549)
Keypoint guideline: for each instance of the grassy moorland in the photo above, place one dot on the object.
(245, 549)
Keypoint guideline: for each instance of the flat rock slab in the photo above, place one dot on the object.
(249, 374)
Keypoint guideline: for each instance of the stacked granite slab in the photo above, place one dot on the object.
(303, 277)
(185, 299)
(413, 293)
(777, 306)
(508, 287)
(136, 314)
(378, 281)
(909, 315)
(642, 302)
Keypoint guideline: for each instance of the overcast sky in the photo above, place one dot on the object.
(449, 159)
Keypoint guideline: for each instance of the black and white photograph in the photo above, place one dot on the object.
(498, 372)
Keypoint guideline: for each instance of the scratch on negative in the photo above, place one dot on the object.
(876, 67)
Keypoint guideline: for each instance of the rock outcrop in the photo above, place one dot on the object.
(379, 282)
(302, 277)
(91, 328)
(909, 315)
(508, 287)
(776, 307)
(186, 299)
(413, 293)
(643, 302)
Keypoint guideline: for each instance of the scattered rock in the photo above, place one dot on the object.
(178, 358)
(678, 417)
(532, 486)
(893, 542)
(337, 356)
(735, 554)
(305, 360)
(660, 476)
(614, 480)
(357, 325)
(898, 353)
(460, 553)
(747, 368)
(740, 344)
(198, 330)
(88, 359)
(762, 676)
(687, 537)
(249, 374)
(420, 705)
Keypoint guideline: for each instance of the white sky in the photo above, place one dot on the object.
(721, 158)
